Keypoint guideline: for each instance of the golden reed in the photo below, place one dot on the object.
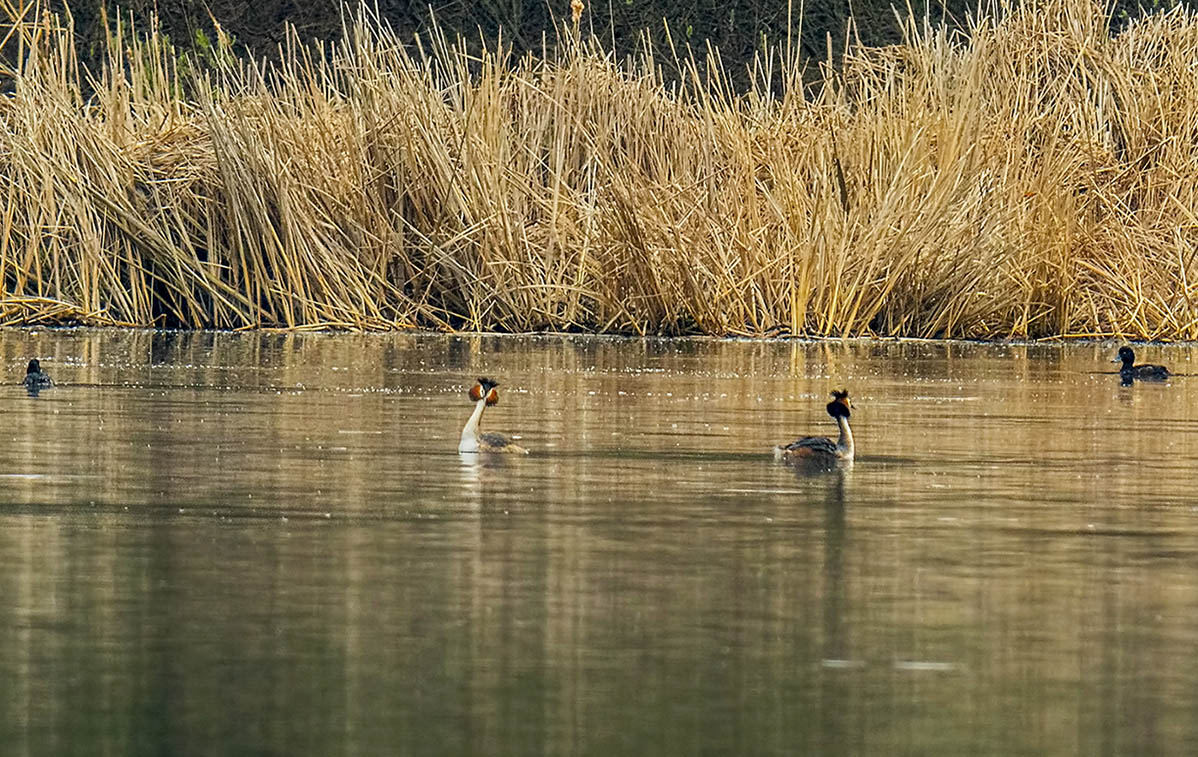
(1035, 178)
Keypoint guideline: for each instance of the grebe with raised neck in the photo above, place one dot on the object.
(1144, 372)
(821, 449)
(484, 395)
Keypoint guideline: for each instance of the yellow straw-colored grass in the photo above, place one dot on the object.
(1035, 178)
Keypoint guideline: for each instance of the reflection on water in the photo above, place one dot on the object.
(265, 544)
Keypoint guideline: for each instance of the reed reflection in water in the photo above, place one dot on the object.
(265, 544)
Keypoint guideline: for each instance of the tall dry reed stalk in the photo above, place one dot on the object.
(1037, 177)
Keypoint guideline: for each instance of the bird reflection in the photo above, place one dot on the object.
(835, 644)
(810, 467)
(478, 471)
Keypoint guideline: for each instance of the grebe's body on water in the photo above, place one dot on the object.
(1143, 372)
(484, 395)
(821, 449)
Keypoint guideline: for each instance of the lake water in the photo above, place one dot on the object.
(267, 544)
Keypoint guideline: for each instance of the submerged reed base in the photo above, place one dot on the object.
(1038, 178)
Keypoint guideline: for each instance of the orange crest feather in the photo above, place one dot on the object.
(485, 387)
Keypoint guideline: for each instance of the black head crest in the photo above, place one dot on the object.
(34, 367)
(840, 407)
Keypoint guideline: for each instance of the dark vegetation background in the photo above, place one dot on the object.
(736, 27)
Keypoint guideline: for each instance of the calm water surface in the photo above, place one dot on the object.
(262, 544)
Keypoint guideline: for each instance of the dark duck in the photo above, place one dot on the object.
(35, 377)
(1143, 372)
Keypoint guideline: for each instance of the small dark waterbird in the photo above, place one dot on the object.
(1143, 372)
(484, 395)
(35, 377)
(821, 449)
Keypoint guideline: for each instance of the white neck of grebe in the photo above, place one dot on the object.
(469, 441)
(844, 445)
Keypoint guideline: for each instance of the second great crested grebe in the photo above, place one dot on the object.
(35, 378)
(484, 395)
(821, 449)
(1129, 370)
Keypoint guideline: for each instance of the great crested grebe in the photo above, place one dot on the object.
(821, 449)
(1142, 372)
(34, 377)
(485, 394)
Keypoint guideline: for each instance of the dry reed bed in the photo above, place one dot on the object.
(1036, 179)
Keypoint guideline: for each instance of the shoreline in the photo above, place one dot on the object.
(609, 337)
